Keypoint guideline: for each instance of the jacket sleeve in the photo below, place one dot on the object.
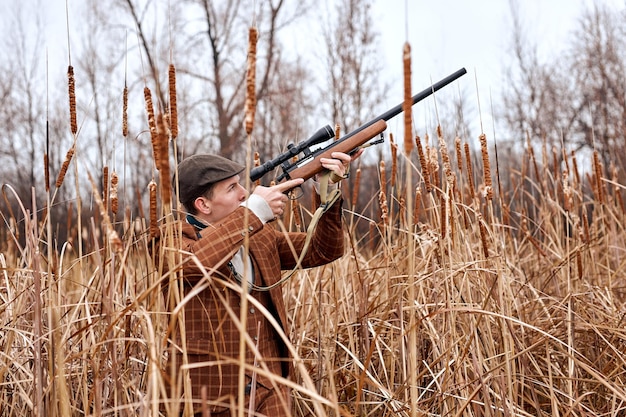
(327, 242)
(217, 244)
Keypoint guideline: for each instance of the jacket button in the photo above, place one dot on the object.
(252, 310)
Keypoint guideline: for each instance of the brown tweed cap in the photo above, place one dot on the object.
(198, 172)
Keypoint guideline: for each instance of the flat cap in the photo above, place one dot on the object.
(196, 173)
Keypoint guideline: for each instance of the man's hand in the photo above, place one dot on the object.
(275, 195)
(339, 164)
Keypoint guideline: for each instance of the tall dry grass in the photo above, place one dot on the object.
(463, 299)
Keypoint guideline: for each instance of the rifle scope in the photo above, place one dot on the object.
(322, 135)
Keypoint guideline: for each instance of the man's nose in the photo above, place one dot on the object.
(244, 192)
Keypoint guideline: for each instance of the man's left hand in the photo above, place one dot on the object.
(339, 165)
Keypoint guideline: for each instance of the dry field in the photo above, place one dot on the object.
(465, 298)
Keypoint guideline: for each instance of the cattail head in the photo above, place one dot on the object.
(251, 80)
(147, 95)
(125, 112)
(418, 201)
(66, 164)
(355, 188)
(486, 167)
(154, 228)
(459, 154)
(162, 161)
(72, 96)
(423, 163)
(46, 170)
(113, 196)
(445, 158)
(105, 187)
(597, 169)
(407, 103)
(568, 199)
(173, 113)
(470, 171)
(394, 160)
(257, 163)
(382, 197)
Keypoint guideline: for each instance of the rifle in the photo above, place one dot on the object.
(309, 165)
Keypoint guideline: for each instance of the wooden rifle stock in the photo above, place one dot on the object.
(311, 165)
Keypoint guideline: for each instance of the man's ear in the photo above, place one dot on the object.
(202, 205)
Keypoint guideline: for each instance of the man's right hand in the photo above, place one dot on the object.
(275, 195)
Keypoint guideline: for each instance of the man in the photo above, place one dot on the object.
(217, 268)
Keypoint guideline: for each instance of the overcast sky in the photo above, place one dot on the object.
(444, 35)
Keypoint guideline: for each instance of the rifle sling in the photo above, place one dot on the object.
(326, 201)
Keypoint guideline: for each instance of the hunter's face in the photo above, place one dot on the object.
(227, 195)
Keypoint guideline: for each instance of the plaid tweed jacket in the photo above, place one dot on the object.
(212, 337)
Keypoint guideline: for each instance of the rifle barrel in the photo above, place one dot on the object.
(417, 97)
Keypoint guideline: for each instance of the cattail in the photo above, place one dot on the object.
(337, 131)
(470, 171)
(451, 212)
(575, 168)
(125, 112)
(408, 102)
(531, 153)
(459, 154)
(72, 93)
(445, 158)
(382, 197)
(251, 80)
(579, 264)
(418, 201)
(163, 161)
(173, 113)
(114, 200)
(46, 170)
(394, 160)
(483, 235)
(355, 189)
(597, 169)
(433, 162)
(257, 163)
(105, 186)
(147, 95)
(66, 164)
(568, 199)
(486, 167)
(154, 229)
(423, 164)
(555, 162)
